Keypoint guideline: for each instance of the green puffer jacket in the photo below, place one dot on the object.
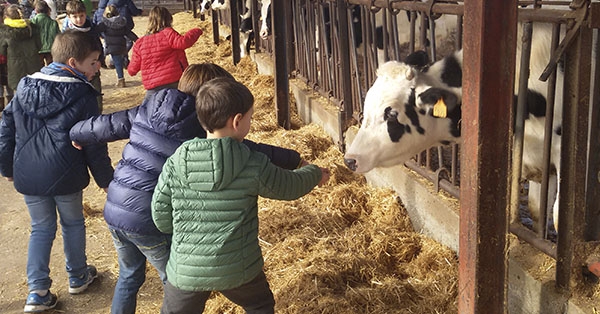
(20, 44)
(207, 198)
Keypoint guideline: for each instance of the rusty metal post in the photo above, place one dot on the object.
(488, 80)
(282, 86)
(215, 27)
(345, 109)
(573, 156)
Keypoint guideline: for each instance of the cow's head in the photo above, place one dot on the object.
(401, 118)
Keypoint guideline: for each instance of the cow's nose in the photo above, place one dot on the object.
(350, 163)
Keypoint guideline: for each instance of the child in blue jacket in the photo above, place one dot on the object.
(155, 129)
(36, 154)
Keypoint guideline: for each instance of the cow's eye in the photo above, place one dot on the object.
(390, 114)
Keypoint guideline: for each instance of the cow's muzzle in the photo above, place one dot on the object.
(350, 163)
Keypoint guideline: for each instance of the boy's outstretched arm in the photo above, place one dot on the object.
(103, 128)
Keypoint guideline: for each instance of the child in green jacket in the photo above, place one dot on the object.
(47, 28)
(206, 198)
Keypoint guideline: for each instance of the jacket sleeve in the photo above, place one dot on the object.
(281, 184)
(186, 41)
(104, 128)
(133, 9)
(282, 157)
(131, 35)
(7, 141)
(162, 209)
(98, 161)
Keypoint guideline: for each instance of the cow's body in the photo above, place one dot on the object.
(399, 119)
(206, 5)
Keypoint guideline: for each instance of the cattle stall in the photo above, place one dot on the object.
(337, 46)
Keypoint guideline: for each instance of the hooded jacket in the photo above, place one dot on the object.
(35, 148)
(161, 56)
(20, 43)
(155, 129)
(114, 32)
(47, 28)
(206, 197)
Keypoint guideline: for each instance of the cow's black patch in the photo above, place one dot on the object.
(454, 111)
(410, 109)
(418, 59)
(395, 129)
(535, 104)
(408, 129)
(379, 37)
(452, 72)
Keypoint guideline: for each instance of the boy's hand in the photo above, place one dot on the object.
(324, 176)
(76, 145)
(105, 190)
(9, 179)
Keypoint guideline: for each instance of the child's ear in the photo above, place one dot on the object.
(236, 120)
(71, 62)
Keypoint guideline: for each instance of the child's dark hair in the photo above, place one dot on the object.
(41, 7)
(195, 75)
(159, 18)
(220, 99)
(110, 11)
(75, 6)
(13, 12)
(74, 44)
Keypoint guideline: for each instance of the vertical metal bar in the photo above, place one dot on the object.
(519, 125)
(282, 87)
(256, 25)
(235, 31)
(573, 155)
(592, 232)
(291, 53)
(550, 95)
(486, 153)
(411, 45)
(215, 27)
(345, 109)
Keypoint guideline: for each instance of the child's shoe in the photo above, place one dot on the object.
(121, 82)
(79, 284)
(36, 303)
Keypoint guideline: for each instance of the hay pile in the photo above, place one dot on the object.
(345, 247)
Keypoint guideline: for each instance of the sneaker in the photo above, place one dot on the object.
(35, 303)
(79, 284)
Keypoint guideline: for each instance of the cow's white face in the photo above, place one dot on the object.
(394, 128)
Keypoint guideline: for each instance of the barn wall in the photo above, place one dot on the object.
(435, 216)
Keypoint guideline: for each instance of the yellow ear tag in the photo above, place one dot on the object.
(439, 109)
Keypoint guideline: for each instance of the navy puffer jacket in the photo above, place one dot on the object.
(35, 147)
(155, 129)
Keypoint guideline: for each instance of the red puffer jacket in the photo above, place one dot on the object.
(161, 56)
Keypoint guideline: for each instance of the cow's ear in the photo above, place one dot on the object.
(410, 74)
(418, 59)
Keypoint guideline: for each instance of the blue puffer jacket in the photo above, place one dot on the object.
(35, 147)
(127, 9)
(155, 129)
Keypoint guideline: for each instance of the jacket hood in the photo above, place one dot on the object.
(210, 164)
(118, 3)
(115, 22)
(16, 33)
(39, 101)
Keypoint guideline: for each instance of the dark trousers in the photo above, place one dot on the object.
(255, 297)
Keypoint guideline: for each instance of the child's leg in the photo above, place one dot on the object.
(255, 296)
(42, 210)
(132, 273)
(118, 62)
(70, 208)
(183, 302)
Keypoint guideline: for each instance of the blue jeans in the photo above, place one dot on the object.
(133, 250)
(42, 210)
(118, 62)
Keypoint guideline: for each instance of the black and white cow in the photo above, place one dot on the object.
(206, 5)
(399, 120)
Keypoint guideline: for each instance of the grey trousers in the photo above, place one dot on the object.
(255, 297)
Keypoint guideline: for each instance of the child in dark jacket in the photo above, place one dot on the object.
(155, 129)
(115, 43)
(77, 19)
(36, 154)
(20, 43)
(206, 196)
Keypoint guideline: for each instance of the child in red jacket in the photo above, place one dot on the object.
(160, 54)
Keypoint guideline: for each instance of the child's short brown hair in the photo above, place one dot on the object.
(159, 18)
(75, 6)
(220, 99)
(74, 44)
(195, 75)
(110, 11)
(41, 7)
